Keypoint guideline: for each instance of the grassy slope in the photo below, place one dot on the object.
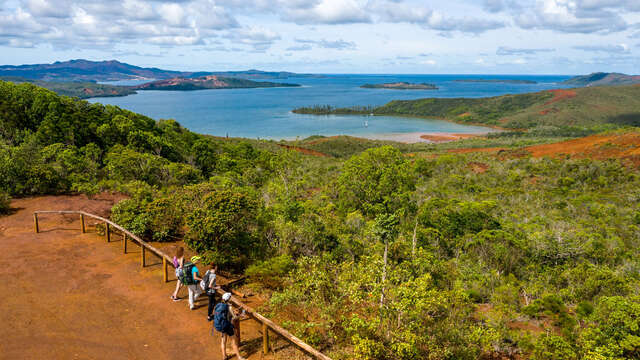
(576, 107)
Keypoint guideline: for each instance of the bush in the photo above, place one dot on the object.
(271, 273)
(615, 332)
(221, 226)
(5, 203)
(553, 347)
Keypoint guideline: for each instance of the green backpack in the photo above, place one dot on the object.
(187, 274)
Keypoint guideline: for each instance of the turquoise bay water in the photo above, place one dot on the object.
(266, 113)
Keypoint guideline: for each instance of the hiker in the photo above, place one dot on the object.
(223, 320)
(209, 286)
(192, 277)
(178, 262)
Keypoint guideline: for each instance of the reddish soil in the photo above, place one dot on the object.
(560, 94)
(478, 167)
(530, 326)
(624, 146)
(304, 151)
(438, 138)
(547, 111)
(471, 150)
(619, 146)
(68, 295)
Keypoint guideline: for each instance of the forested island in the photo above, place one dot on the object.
(79, 89)
(208, 82)
(522, 245)
(401, 85)
(502, 81)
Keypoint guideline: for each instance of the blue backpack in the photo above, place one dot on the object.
(221, 317)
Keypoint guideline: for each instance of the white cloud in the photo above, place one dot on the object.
(329, 44)
(505, 50)
(567, 16)
(327, 12)
(259, 38)
(612, 49)
(49, 8)
(16, 43)
(173, 14)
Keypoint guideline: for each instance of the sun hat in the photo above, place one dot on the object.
(226, 296)
(195, 259)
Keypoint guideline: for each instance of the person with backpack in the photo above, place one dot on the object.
(190, 277)
(178, 262)
(209, 286)
(223, 320)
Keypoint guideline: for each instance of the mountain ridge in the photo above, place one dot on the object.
(603, 79)
(114, 70)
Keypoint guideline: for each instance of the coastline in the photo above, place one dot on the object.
(423, 137)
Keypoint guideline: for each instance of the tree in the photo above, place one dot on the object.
(376, 181)
(221, 226)
(385, 227)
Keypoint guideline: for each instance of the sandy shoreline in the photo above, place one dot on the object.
(407, 138)
(417, 137)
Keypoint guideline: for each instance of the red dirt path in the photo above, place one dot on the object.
(67, 295)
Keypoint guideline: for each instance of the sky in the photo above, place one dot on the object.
(330, 36)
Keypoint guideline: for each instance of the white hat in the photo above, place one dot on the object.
(226, 296)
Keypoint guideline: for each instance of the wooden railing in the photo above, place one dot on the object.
(166, 260)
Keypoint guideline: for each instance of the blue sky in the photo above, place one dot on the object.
(330, 36)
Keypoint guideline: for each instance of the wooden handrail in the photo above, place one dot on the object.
(266, 323)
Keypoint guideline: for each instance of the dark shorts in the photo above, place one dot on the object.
(228, 330)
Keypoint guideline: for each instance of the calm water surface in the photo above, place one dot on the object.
(266, 113)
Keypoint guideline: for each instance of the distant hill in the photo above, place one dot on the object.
(402, 85)
(208, 82)
(603, 79)
(113, 70)
(585, 107)
(258, 74)
(79, 89)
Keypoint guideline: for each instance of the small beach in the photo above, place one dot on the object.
(418, 137)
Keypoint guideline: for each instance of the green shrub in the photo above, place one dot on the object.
(221, 226)
(271, 272)
(615, 331)
(5, 202)
(553, 347)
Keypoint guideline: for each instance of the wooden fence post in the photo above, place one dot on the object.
(108, 232)
(142, 259)
(82, 228)
(35, 222)
(164, 267)
(124, 240)
(265, 339)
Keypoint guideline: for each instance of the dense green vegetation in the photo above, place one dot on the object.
(583, 107)
(374, 254)
(79, 89)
